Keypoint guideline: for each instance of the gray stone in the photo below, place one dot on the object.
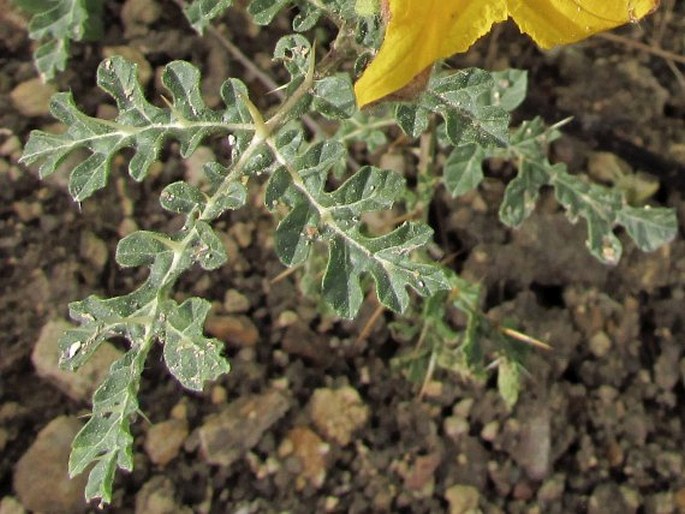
(227, 436)
(533, 450)
(41, 478)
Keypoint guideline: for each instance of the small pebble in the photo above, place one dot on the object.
(164, 440)
(32, 98)
(338, 413)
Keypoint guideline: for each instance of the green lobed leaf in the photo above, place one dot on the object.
(334, 217)
(598, 205)
(200, 13)
(190, 356)
(142, 247)
(294, 50)
(182, 198)
(413, 119)
(510, 87)
(56, 25)
(463, 99)
(139, 125)
(231, 197)
(602, 208)
(307, 18)
(649, 227)
(333, 97)
(463, 170)
(106, 438)
(308, 12)
(209, 251)
(264, 11)
(522, 193)
(102, 319)
(387, 260)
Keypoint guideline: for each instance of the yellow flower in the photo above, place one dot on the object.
(419, 32)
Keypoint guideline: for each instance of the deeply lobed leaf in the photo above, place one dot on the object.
(315, 214)
(56, 26)
(139, 125)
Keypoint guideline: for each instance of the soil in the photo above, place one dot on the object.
(599, 424)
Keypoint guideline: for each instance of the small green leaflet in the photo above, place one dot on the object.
(462, 99)
(200, 13)
(649, 227)
(190, 356)
(509, 380)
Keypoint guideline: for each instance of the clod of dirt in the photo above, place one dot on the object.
(552, 489)
(302, 341)
(600, 344)
(27, 211)
(32, 98)
(41, 479)
(608, 499)
(667, 366)
(545, 250)
(164, 440)
(420, 477)
(157, 497)
(137, 15)
(659, 503)
(533, 449)
(78, 385)
(9, 505)
(225, 437)
(463, 499)
(310, 451)
(94, 250)
(239, 331)
(236, 302)
(337, 413)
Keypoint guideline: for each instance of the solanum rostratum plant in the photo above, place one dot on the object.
(466, 112)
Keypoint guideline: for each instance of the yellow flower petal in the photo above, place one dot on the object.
(419, 33)
(422, 31)
(560, 22)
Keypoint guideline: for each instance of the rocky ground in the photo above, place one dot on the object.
(312, 418)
